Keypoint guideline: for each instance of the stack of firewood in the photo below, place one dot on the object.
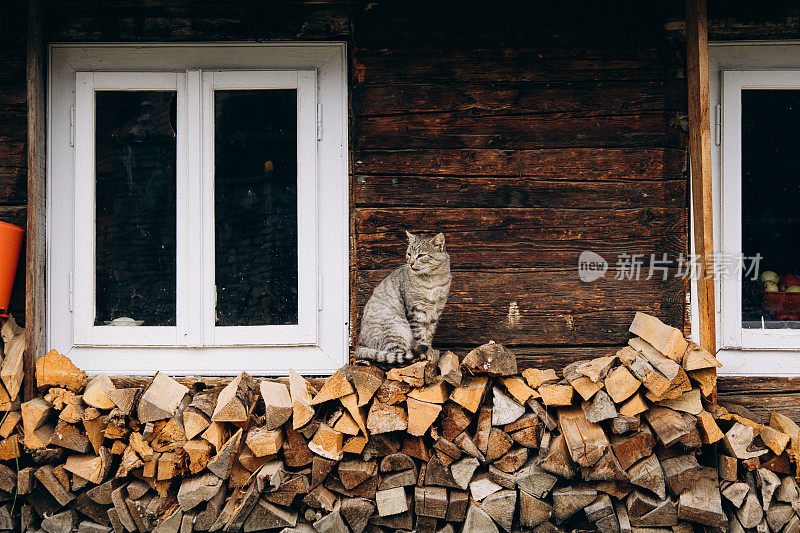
(629, 442)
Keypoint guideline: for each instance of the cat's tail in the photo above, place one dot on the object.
(382, 356)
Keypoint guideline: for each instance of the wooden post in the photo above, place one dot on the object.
(35, 245)
(700, 157)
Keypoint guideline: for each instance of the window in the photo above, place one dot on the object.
(197, 208)
(756, 113)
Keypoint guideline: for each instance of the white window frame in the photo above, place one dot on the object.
(733, 67)
(195, 345)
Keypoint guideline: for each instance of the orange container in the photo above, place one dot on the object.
(10, 246)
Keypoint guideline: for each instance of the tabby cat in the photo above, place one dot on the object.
(401, 315)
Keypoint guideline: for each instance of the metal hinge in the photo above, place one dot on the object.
(72, 125)
(319, 122)
(71, 291)
(718, 124)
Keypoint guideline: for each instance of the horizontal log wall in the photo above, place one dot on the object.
(13, 133)
(527, 134)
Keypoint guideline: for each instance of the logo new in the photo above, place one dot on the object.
(591, 266)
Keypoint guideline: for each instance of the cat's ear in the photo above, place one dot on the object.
(411, 237)
(438, 240)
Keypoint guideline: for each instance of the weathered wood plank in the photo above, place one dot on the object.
(509, 306)
(507, 65)
(478, 191)
(587, 97)
(557, 164)
(449, 130)
(521, 248)
(549, 223)
(762, 395)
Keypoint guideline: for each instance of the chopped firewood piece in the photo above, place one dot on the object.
(447, 448)
(392, 392)
(586, 441)
(199, 452)
(466, 444)
(500, 507)
(737, 441)
(356, 512)
(701, 502)
(750, 513)
(196, 490)
(450, 368)
(160, 399)
(774, 439)
(688, 402)
(395, 462)
(633, 406)
(334, 388)
(262, 441)
(621, 384)
(664, 513)
(463, 471)
(366, 380)
(680, 472)
(492, 359)
(398, 479)
(663, 364)
(537, 377)
(599, 408)
(607, 468)
(596, 369)
(558, 459)
(666, 339)
(96, 393)
(470, 394)
(11, 370)
(236, 400)
(56, 370)
(519, 389)
(391, 502)
(124, 399)
(277, 403)
(648, 474)
(431, 501)
(49, 481)
(624, 424)
(696, 357)
(355, 472)
(768, 482)
(556, 395)
(383, 418)
(436, 393)
(302, 411)
(222, 462)
(437, 473)
(70, 437)
(506, 409)
(736, 493)
(532, 510)
(478, 521)
(295, 449)
(544, 414)
(569, 500)
(630, 449)
(413, 375)
(512, 460)
(483, 428)
(669, 425)
(534, 479)
(268, 516)
(454, 420)
(499, 443)
(10, 421)
(327, 443)
(651, 378)
(421, 416)
(482, 486)
(345, 423)
(584, 386)
(706, 378)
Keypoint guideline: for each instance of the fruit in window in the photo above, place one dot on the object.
(793, 288)
(770, 286)
(768, 276)
(787, 281)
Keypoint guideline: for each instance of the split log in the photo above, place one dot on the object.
(222, 462)
(477, 521)
(569, 500)
(585, 440)
(491, 359)
(413, 374)
(56, 370)
(470, 394)
(537, 377)
(436, 393)
(236, 400)
(701, 502)
(506, 409)
(421, 416)
(335, 387)
(556, 395)
(737, 441)
(327, 443)
(669, 425)
(621, 384)
(666, 339)
(391, 502)
(96, 393)
(500, 507)
(263, 442)
(367, 379)
(302, 411)
(383, 418)
(160, 399)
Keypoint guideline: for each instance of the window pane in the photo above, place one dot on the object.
(135, 218)
(255, 199)
(771, 207)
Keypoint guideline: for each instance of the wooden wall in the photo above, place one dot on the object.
(13, 132)
(526, 135)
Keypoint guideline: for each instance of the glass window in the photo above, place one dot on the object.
(255, 206)
(770, 159)
(135, 147)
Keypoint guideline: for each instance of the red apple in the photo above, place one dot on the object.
(788, 280)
